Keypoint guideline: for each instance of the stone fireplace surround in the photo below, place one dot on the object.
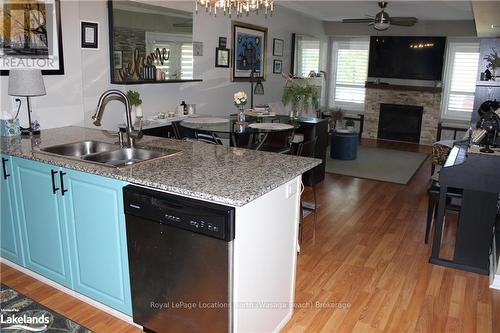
(430, 101)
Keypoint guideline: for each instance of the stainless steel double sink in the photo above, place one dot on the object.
(106, 153)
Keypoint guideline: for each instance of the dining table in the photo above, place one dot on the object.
(252, 133)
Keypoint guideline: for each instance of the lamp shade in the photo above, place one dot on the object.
(259, 88)
(26, 82)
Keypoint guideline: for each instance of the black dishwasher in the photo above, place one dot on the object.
(180, 258)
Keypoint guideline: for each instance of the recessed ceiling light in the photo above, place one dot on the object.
(494, 26)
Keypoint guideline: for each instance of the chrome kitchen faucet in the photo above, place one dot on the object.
(132, 133)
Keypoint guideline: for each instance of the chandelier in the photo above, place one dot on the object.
(236, 7)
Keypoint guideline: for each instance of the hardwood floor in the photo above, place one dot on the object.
(365, 270)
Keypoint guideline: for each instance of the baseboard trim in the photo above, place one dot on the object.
(285, 320)
(496, 282)
(100, 306)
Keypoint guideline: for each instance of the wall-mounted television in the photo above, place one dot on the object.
(412, 58)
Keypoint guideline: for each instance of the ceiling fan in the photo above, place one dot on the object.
(382, 21)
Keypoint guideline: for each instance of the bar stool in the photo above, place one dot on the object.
(307, 149)
(433, 204)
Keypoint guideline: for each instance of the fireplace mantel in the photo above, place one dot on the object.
(399, 87)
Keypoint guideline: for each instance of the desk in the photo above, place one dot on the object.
(477, 175)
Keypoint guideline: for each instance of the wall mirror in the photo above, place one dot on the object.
(150, 43)
(306, 55)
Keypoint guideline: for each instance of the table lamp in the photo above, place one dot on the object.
(26, 83)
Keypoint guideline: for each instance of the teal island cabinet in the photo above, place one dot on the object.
(72, 230)
(10, 240)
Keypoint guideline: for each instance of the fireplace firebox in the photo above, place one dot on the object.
(400, 122)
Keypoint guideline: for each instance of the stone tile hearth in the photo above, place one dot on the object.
(431, 102)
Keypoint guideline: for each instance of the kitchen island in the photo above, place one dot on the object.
(77, 208)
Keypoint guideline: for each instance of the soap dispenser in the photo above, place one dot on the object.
(184, 108)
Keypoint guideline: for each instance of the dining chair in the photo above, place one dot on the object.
(208, 138)
(277, 142)
(307, 149)
(182, 132)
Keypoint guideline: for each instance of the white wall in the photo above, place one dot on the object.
(71, 98)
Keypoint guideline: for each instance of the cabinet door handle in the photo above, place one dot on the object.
(61, 176)
(54, 188)
(5, 174)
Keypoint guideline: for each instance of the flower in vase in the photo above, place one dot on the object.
(240, 98)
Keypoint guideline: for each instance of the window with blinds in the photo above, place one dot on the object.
(350, 71)
(460, 80)
(176, 67)
(187, 61)
(309, 57)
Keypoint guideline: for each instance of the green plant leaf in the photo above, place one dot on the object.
(134, 97)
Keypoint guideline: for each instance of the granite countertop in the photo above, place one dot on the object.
(222, 174)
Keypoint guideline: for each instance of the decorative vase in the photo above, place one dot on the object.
(487, 75)
(241, 114)
(138, 111)
(296, 108)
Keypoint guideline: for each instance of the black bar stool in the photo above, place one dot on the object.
(307, 149)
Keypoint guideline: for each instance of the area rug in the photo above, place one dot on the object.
(22, 314)
(386, 165)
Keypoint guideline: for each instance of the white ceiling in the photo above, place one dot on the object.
(333, 10)
(487, 18)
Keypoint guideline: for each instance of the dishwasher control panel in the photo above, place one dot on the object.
(209, 225)
(194, 215)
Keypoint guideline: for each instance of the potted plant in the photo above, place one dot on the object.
(300, 97)
(135, 102)
(493, 61)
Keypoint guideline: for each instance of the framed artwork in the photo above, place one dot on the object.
(89, 35)
(118, 59)
(249, 51)
(197, 49)
(222, 42)
(31, 37)
(222, 57)
(278, 45)
(277, 66)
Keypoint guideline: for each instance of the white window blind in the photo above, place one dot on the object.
(460, 80)
(350, 71)
(187, 61)
(309, 56)
(176, 67)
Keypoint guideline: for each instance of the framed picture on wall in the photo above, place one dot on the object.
(249, 51)
(222, 57)
(34, 43)
(222, 42)
(278, 45)
(89, 35)
(277, 66)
